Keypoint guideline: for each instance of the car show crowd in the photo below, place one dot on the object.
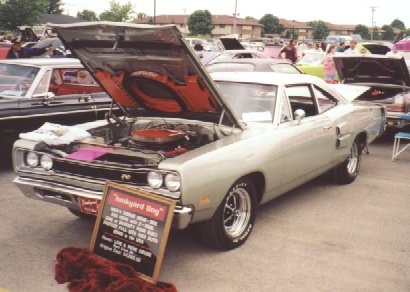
(152, 129)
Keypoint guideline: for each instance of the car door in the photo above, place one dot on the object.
(307, 143)
(56, 99)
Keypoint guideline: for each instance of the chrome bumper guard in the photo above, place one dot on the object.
(67, 196)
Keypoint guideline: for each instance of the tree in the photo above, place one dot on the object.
(363, 31)
(14, 13)
(397, 23)
(54, 7)
(118, 12)
(376, 34)
(320, 29)
(388, 33)
(87, 15)
(292, 34)
(142, 15)
(407, 32)
(200, 23)
(270, 24)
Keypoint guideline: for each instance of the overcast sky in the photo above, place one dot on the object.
(338, 12)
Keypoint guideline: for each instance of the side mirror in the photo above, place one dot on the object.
(299, 114)
(48, 97)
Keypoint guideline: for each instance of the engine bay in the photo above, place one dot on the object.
(140, 143)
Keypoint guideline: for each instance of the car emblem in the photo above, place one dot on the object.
(125, 176)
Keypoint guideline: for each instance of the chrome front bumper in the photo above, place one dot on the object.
(67, 196)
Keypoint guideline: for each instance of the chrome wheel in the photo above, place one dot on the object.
(353, 159)
(237, 212)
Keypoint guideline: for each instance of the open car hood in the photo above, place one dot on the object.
(372, 69)
(231, 43)
(148, 70)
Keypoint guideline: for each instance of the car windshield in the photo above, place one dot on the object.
(250, 102)
(312, 58)
(15, 80)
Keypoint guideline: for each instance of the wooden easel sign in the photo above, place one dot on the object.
(132, 227)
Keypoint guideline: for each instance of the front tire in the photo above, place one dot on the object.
(234, 219)
(348, 170)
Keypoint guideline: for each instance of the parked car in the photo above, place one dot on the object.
(388, 78)
(312, 63)
(33, 91)
(217, 146)
(272, 50)
(377, 47)
(250, 65)
(4, 49)
(337, 39)
(228, 55)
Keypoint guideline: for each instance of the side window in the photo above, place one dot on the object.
(325, 100)
(42, 87)
(286, 114)
(301, 97)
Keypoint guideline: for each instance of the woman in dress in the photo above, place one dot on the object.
(329, 67)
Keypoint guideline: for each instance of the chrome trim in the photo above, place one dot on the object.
(33, 189)
(53, 114)
(40, 171)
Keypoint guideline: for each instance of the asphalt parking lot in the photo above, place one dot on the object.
(319, 237)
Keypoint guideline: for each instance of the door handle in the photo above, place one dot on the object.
(328, 127)
(86, 98)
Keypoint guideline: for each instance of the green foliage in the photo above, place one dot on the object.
(14, 13)
(292, 34)
(376, 34)
(320, 29)
(363, 31)
(200, 23)
(142, 15)
(407, 32)
(397, 23)
(270, 24)
(54, 7)
(117, 12)
(388, 33)
(87, 15)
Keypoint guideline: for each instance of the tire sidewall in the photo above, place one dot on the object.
(233, 242)
(353, 175)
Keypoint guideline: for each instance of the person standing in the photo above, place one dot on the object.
(329, 67)
(341, 48)
(352, 49)
(17, 51)
(290, 51)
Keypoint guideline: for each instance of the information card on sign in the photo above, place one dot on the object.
(132, 227)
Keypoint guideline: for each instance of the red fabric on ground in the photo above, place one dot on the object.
(87, 272)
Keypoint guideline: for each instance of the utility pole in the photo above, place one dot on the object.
(185, 24)
(373, 9)
(234, 17)
(155, 11)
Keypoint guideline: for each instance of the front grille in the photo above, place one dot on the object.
(100, 173)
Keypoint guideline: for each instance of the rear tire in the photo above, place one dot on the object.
(349, 169)
(234, 219)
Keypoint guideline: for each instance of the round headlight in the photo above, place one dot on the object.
(46, 162)
(172, 182)
(154, 179)
(32, 159)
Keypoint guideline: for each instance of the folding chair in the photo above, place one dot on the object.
(397, 139)
(396, 146)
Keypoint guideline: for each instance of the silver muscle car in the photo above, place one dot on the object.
(217, 146)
